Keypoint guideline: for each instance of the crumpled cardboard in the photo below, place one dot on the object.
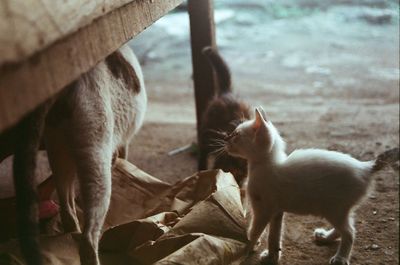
(198, 220)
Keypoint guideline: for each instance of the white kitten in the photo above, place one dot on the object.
(309, 181)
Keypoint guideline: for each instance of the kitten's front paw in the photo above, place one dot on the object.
(337, 260)
(267, 259)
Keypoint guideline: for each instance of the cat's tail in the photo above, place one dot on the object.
(221, 68)
(29, 132)
(387, 158)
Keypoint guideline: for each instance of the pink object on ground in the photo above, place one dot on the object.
(48, 209)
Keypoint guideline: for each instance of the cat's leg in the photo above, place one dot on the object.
(114, 158)
(274, 241)
(123, 151)
(346, 230)
(94, 172)
(257, 226)
(323, 236)
(259, 220)
(63, 168)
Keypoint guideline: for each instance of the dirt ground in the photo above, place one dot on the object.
(327, 75)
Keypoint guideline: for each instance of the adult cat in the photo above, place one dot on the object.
(92, 119)
(309, 181)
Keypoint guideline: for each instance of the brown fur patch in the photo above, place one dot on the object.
(122, 69)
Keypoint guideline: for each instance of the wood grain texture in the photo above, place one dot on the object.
(28, 26)
(26, 84)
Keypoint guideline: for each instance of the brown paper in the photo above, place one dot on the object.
(198, 220)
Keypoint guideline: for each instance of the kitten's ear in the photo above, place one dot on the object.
(259, 119)
(262, 112)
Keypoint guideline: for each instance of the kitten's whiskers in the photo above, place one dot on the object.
(217, 132)
(217, 142)
(220, 152)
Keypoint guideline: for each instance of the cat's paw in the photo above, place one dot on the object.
(267, 259)
(337, 260)
(322, 236)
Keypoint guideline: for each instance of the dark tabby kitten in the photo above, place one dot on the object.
(223, 113)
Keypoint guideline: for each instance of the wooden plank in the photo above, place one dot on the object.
(29, 83)
(28, 26)
(202, 29)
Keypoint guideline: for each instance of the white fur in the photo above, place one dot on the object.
(308, 181)
(102, 117)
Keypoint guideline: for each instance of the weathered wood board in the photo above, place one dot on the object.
(28, 26)
(27, 83)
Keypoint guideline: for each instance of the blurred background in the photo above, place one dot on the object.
(326, 72)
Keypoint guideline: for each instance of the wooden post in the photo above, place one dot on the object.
(202, 32)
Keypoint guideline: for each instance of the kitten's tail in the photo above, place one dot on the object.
(29, 132)
(221, 68)
(389, 157)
